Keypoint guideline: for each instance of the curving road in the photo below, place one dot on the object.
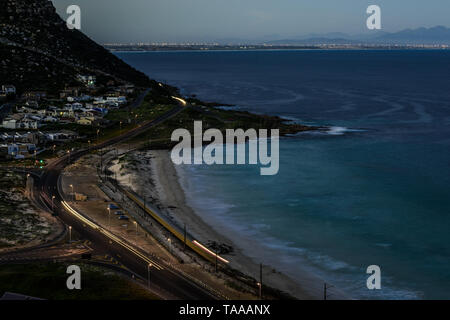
(102, 240)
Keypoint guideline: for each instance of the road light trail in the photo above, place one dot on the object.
(109, 235)
(209, 251)
(182, 101)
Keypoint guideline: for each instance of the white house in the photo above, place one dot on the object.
(10, 124)
(77, 106)
(88, 80)
(9, 89)
(30, 124)
(50, 119)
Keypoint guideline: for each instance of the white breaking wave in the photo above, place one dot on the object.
(337, 131)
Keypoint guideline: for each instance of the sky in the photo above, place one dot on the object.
(131, 21)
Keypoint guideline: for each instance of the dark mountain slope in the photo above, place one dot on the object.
(37, 49)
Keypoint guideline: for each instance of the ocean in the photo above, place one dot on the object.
(371, 190)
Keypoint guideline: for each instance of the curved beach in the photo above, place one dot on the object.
(167, 192)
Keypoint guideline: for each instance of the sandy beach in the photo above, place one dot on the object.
(152, 173)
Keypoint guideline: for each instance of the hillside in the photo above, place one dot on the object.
(38, 51)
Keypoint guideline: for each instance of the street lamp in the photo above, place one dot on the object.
(70, 234)
(135, 223)
(68, 152)
(170, 245)
(53, 206)
(259, 289)
(109, 217)
(148, 270)
(73, 193)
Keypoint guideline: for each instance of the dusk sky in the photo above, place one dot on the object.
(213, 20)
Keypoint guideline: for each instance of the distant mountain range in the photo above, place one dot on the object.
(435, 35)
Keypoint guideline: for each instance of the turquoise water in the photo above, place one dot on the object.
(374, 189)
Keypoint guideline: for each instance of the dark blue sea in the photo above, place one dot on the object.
(374, 189)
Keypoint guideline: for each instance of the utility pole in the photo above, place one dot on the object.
(184, 237)
(325, 288)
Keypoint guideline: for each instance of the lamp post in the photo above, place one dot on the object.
(70, 234)
(170, 245)
(135, 223)
(109, 217)
(73, 193)
(259, 289)
(53, 204)
(148, 271)
(68, 152)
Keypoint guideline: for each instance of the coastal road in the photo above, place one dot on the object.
(102, 240)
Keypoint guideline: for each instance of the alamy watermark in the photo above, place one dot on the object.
(231, 150)
(74, 280)
(374, 280)
(74, 19)
(374, 20)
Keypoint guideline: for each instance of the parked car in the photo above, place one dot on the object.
(124, 218)
(113, 206)
(118, 213)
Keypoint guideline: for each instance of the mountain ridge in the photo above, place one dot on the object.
(38, 50)
(422, 35)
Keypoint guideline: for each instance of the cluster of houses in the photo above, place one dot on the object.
(84, 105)
(20, 145)
(82, 109)
(27, 117)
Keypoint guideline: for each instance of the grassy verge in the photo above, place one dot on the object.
(48, 281)
(159, 136)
